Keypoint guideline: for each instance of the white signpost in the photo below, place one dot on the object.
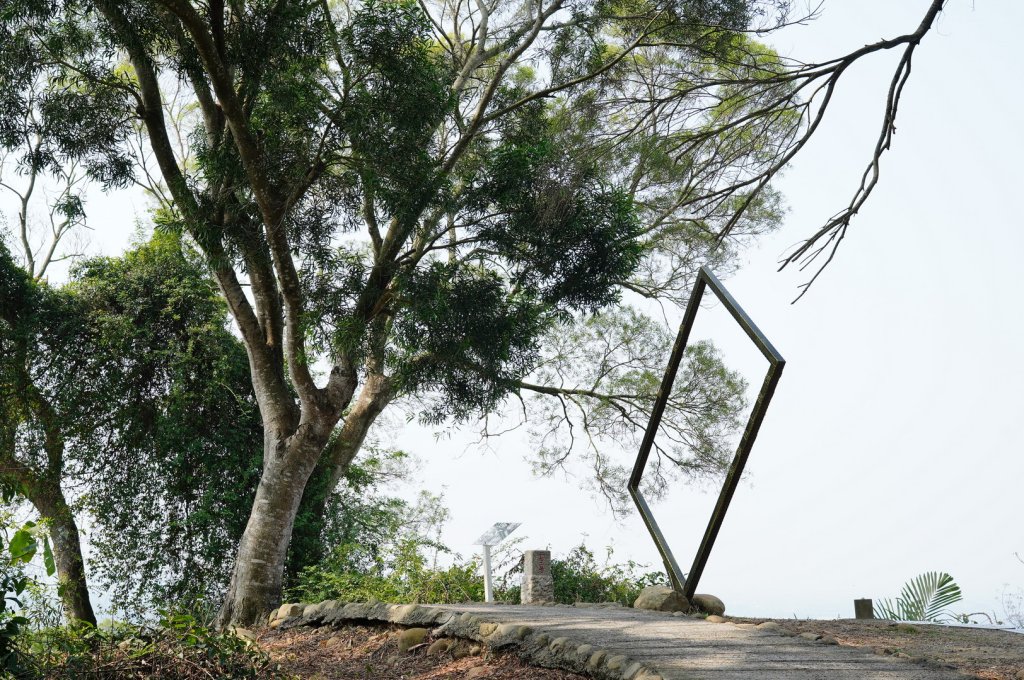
(493, 536)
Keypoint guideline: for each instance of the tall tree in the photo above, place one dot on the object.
(172, 457)
(39, 374)
(402, 199)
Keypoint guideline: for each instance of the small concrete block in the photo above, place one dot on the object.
(558, 643)
(810, 636)
(584, 651)
(769, 625)
(714, 618)
(487, 629)
(828, 640)
(537, 585)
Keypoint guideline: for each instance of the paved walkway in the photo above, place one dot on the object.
(627, 644)
(693, 649)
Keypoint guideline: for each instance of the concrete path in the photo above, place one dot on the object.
(682, 648)
(628, 644)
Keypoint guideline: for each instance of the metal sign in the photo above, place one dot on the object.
(687, 584)
(492, 537)
(497, 533)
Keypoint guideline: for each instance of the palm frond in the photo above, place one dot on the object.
(923, 598)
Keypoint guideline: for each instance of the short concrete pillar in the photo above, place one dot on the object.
(538, 586)
(862, 609)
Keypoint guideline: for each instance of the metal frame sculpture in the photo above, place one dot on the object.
(688, 585)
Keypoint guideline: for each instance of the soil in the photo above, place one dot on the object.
(979, 652)
(371, 652)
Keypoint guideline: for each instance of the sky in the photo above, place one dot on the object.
(893, 445)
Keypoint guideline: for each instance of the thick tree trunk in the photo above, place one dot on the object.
(67, 552)
(307, 546)
(255, 587)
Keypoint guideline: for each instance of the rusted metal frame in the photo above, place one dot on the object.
(687, 584)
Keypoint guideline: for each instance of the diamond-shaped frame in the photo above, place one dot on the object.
(705, 279)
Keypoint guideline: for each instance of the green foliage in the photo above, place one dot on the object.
(21, 546)
(402, 95)
(394, 558)
(402, 574)
(924, 598)
(579, 578)
(390, 558)
(178, 647)
(464, 336)
(175, 416)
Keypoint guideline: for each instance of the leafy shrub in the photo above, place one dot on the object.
(179, 648)
(401, 574)
(22, 545)
(406, 575)
(579, 578)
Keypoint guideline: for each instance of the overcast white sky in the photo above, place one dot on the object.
(893, 445)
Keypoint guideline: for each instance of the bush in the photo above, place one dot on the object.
(579, 578)
(400, 575)
(178, 648)
(404, 575)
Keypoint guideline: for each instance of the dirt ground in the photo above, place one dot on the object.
(371, 652)
(987, 654)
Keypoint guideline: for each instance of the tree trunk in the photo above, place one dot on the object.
(67, 552)
(255, 587)
(307, 545)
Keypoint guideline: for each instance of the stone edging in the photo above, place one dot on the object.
(534, 646)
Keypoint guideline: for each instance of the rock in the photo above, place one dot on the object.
(714, 618)
(828, 640)
(810, 636)
(461, 650)
(661, 599)
(616, 663)
(769, 625)
(410, 637)
(289, 610)
(476, 672)
(709, 604)
(439, 646)
(243, 633)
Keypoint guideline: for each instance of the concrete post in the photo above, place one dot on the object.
(862, 609)
(488, 586)
(538, 585)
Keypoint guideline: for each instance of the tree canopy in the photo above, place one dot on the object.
(406, 200)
